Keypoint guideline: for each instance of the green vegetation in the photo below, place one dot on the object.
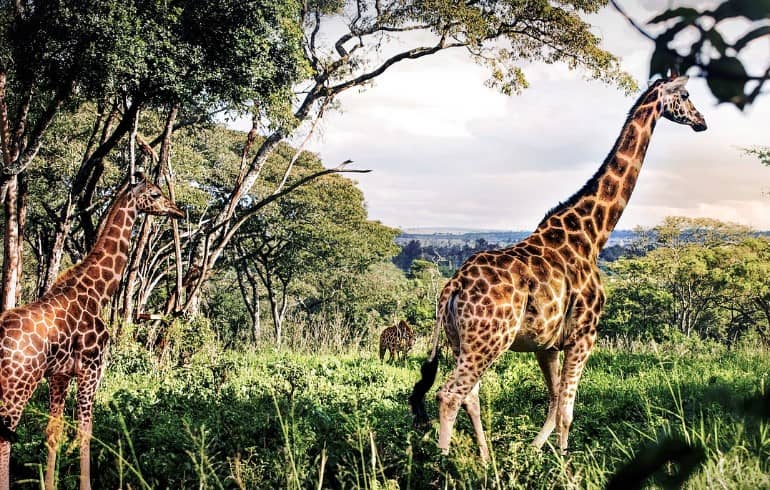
(279, 419)
(694, 278)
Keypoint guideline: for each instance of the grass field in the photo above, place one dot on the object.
(272, 419)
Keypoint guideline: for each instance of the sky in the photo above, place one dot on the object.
(448, 152)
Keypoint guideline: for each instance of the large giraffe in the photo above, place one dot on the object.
(62, 336)
(543, 295)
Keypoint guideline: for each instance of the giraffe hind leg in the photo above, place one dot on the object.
(549, 364)
(472, 407)
(459, 390)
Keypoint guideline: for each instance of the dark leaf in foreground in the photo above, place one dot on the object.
(652, 461)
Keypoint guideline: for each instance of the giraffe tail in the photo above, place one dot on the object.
(429, 368)
(6, 434)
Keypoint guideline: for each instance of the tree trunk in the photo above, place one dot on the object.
(164, 169)
(56, 254)
(11, 246)
(132, 271)
(22, 198)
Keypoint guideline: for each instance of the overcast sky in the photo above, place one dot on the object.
(448, 152)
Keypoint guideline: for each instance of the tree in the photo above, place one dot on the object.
(308, 243)
(375, 36)
(762, 153)
(427, 282)
(700, 277)
(707, 49)
(186, 56)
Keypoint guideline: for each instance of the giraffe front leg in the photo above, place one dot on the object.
(57, 396)
(86, 390)
(575, 358)
(88, 382)
(16, 391)
(549, 363)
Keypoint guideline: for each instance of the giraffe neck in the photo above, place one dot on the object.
(100, 272)
(596, 208)
(112, 243)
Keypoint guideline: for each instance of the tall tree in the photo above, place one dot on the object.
(124, 56)
(316, 236)
(349, 44)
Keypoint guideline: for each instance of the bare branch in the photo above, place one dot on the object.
(273, 197)
(301, 147)
(632, 21)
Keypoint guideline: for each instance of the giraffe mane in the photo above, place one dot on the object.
(592, 184)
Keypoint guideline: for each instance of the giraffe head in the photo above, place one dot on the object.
(677, 105)
(150, 199)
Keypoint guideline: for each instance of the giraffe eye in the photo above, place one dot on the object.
(685, 95)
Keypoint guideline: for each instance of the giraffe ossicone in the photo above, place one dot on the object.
(544, 294)
(61, 336)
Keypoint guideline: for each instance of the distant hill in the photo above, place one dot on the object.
(445, 237)
(450, 247)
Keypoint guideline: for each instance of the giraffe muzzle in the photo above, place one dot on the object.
(176, 213)
(700, 123)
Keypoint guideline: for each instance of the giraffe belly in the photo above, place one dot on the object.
(537, 334)
(526, 343)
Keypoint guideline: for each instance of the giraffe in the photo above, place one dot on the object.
(544, 295)
(61, 335)
(397, 339)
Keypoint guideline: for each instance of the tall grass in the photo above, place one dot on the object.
(282, 419)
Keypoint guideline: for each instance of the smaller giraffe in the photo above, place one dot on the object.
(61, 336)
(397, 339)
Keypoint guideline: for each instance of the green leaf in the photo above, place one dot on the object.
(716, 40)
(687, 14)
(751, 36)
(726, 79)
(662, 59)
(751, 9)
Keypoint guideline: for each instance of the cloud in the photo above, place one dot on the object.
(447, 151)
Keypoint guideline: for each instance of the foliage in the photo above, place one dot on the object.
(699, 277)
(762, 153)
(427, 282)
(709, 46)
(448, 257)
(160, 52)
(277, 419)
(313, 245)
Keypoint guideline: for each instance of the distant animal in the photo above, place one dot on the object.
(62, 336)
(544, 294)
(397, 340)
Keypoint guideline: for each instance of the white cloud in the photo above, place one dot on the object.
(446, 151)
